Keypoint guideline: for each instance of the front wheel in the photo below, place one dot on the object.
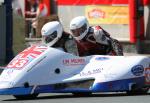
(29, 96)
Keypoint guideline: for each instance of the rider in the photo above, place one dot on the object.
(93, 40)
(53, 35)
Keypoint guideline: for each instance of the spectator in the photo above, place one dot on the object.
(16, 7)
(30, 14)
(42, 11)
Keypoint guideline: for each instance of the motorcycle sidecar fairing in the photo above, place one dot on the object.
(41, 69)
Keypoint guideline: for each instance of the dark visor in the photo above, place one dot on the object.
(50, 37)
(77, 32)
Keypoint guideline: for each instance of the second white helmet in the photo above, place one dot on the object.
(51, 32)
(79, 27)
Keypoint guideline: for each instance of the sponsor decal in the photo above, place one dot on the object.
(96, 13)
(100, 14)
(26, 57)
(137, 70)
(74, 61)
(32, 52)
(147, 75)
(91, 72)
(101, 58)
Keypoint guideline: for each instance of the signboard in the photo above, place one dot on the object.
(107, 14)
(91, 2)
(96, 2)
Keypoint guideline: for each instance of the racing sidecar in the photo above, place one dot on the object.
(41, 69)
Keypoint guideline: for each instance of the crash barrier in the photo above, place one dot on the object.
(41, 21)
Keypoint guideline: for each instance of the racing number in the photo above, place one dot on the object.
(19, 63)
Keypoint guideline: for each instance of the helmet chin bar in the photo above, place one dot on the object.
(81, 36)
(53, 42)
(80, 23)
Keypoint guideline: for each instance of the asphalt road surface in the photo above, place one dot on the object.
(69, 98)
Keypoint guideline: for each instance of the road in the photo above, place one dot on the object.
(135, 54)
(69, 98)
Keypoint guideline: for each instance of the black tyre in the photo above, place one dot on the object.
(81, 94)
(138, 91)
(29, 96)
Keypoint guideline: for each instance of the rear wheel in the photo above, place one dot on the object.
(29, 96)
(138, 91)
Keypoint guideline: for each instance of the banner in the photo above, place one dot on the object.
(96, 2)
(47, 2)
(146, 2)
(91, 2)
(107, 14)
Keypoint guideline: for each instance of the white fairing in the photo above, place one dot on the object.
(40, 65)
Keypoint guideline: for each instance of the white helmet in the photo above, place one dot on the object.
(51, 32)
(79, 27)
